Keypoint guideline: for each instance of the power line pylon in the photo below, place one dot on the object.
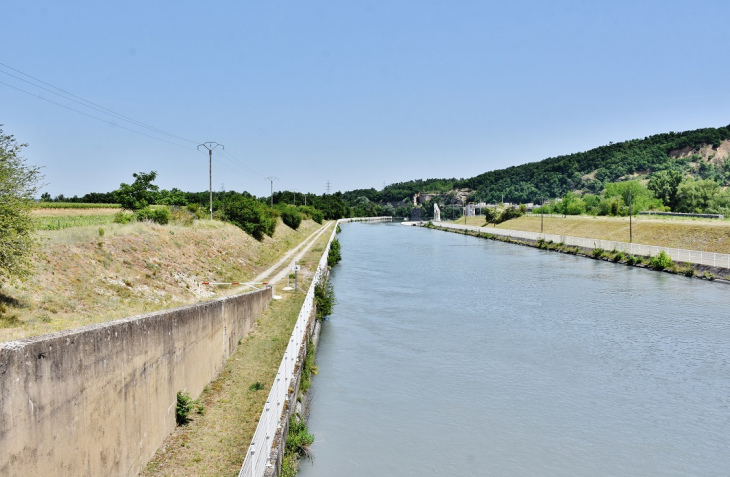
(272, 179)
(210, 146)
(328, 186)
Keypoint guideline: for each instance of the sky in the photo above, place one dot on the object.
(357, 93)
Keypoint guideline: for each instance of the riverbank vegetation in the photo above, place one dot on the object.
(660, 262)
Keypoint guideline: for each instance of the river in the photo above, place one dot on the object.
(453, 355)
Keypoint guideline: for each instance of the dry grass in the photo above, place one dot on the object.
(697, 234)
(215, 443)
(83, 278)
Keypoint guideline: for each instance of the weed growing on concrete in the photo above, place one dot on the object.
(597, 252)
(618, 256)
(309, 368)
(299, 439)
(630, 259)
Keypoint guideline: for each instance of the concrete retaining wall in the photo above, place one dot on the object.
(100, 400)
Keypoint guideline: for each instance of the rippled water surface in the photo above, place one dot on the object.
(453, 355)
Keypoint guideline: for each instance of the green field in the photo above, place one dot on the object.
(65, 222)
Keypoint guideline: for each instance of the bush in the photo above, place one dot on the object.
(185, 405)
(197, 210)
(299, 439)
(661, 262)
(630, 259)
(181, 215)
(251, 216)
(597, 252)
(334, 256)
(291, 216)
(324, 299)
(618, 256)
(159, 216)
(122, 218)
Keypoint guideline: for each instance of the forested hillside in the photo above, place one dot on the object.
(592, 170)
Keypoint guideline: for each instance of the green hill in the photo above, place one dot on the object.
(697, 160)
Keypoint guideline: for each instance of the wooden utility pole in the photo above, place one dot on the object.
(631, 228)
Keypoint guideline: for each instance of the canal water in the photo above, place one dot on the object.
(452, 355)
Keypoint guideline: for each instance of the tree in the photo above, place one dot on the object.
(665, 185)
(696, 196)
(140, 194)
(18, 186)
(253, 217)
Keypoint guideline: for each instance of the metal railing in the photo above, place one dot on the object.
(682, 255)
(257, 458)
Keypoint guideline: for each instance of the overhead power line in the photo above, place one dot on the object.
(87, 103)
(116, 116)
(94, 117)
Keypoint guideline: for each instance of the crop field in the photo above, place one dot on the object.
(64, 222)
(73, 205)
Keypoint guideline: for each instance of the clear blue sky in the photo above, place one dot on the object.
(357, 92)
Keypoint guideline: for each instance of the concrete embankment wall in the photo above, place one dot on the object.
(100, 400)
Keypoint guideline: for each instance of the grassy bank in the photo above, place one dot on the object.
(660, 263)
(692, 234)
(215, 442)
(93, 274)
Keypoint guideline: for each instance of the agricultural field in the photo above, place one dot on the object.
(73, 205)
(62, 215)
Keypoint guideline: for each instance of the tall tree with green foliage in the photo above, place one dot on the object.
(141, 193)
(19, 184)
(665, 185)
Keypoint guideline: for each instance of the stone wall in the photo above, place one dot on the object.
(100, 400)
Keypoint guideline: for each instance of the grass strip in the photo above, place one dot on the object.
(215, 443)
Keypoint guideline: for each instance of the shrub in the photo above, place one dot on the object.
(324, 299)
(181, 215)
(630, 259)
(122, 218)
(251, 216)
(160, 216)
(291, 216)
(597, 252)
(618, 256)
(334, 256)
(197, 210)
(299, 439)
(661, 261)
(183, 408)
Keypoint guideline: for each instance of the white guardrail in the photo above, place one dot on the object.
(678, 254)
(257, 457)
